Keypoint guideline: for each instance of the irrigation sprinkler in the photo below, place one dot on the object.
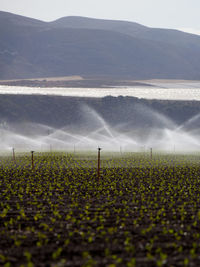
(32, 159)
(13, 152)
(151, 153)
(98, 166)
(144, 151)
(74, 148)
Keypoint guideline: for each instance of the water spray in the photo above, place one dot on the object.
(164, 136)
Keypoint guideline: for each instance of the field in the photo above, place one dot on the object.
(142, 211)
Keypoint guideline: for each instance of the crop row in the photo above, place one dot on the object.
(142, 212)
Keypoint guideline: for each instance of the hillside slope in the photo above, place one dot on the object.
(80, 46)
(58, 111)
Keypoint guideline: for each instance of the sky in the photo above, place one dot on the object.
(173, 14)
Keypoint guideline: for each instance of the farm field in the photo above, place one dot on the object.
(141, 212)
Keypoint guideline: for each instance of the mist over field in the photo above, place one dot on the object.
(113, 123)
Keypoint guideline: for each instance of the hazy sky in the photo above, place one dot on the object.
(179, 14)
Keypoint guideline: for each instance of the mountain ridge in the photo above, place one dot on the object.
(32, 48)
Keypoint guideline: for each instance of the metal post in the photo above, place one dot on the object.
(32, 159)
(151, 152)
(98, 166)
(74, 148)
(13, 150)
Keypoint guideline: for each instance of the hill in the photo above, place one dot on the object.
(31, 48)
(59, 111)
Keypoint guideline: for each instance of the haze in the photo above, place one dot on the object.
(179, 14)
